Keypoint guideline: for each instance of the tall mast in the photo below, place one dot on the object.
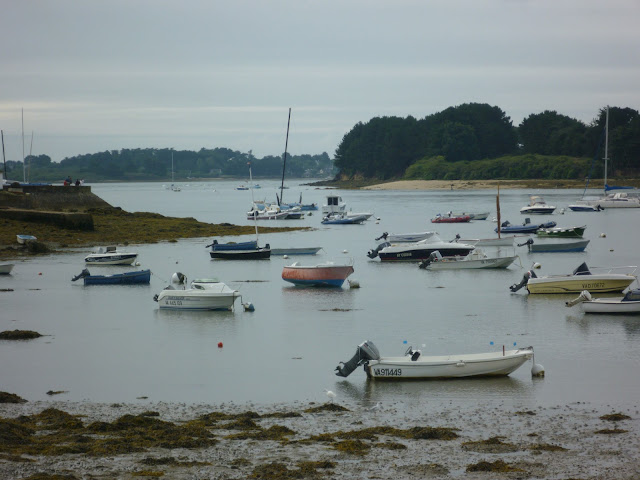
(284, 163)
(24, 167)
(4, 160)
(253, 202)
(606, 149)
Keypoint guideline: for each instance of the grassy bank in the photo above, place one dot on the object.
(115, 226)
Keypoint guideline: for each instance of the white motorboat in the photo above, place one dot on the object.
(404, 237)
(537, 206)
(549, 245)
(506, 241)
(411, 252)
(584, 206)
(5, 268)
(581, 279)
(336, 206)
(295, 251)
(110, 255)
(414, 365)
(630, 303)
(203, 294)
(477, 259)
(270, 212)
(474, 216)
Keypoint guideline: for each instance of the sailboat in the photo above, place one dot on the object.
(174, 187)
(243, 250)
(610, 199)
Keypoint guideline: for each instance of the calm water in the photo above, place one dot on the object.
(113, 344)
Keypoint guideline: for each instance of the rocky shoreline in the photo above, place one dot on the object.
(314, 440)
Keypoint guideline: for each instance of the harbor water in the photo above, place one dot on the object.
(113, 344)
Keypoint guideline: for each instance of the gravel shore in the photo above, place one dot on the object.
(312, 440)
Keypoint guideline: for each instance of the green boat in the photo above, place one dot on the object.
(572, 232)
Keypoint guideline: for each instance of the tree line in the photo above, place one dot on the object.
(479, 141)
(152, 164)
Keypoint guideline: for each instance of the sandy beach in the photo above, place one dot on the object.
(316, 440)
(474, 184)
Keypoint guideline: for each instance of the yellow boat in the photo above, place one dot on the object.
(581, 279)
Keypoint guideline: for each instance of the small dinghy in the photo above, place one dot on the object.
(23, 239)
(127, 278)
(5, 268)
(203, 294)
(629, 304)
(477, 259)
(413, 365)
(321, 275)
(450, 218)
(555, 245)
(110, 256)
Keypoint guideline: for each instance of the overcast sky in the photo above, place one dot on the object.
(105, 75)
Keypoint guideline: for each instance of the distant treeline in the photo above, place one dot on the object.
(148, 164)
(478, 141)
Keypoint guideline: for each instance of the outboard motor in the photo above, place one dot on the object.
(179, 278)
(82, 274)
(374, 253)
(525, 279)
(528, 243)
(434, 257)
(506, 223)
(366, 351)
(584, 296)
(455, 240)
(383, 236)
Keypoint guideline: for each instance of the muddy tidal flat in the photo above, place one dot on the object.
(77, 440)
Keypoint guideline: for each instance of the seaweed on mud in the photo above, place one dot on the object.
(611, 431)
(19, 335)
(279, 471)
(240, 462)
(50, 476)
(54, 432)
(148, 473)
(615, 417)
(214, 417)
(547, 447)
(327, 407)
(276, 432)
(171, 461)
(6, 397)
(57, 392)
(526, 412)
(282, 415)
(391, 445)
(490, 445)
(15, 458)
(353, 447)
(498, 466)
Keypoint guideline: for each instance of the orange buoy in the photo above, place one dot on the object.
(219, 344)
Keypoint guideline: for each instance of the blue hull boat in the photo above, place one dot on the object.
(526, 227)
(127, 278)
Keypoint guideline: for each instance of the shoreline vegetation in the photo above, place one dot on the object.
(49, 440)
(114, 226)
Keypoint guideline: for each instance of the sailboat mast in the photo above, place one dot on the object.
(606, 149)
(253, 202)
(4, 160)
(284, 163)
(24, 167)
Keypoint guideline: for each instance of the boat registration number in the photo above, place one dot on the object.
(388, 372)
(407, 254)
(586, 286)
(174, 300)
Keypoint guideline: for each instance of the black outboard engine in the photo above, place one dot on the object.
(82, 274)
(525, 279)
(528, 243)
(366, 351)
(383, 236)
(434, 257)
(455, 240)
(374, 253)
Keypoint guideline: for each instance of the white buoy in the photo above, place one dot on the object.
(378, 218)
(377, 222)
(536, 265)
(331, 395)
(345, 251)
(285, 256)
(137, 264)
(354, 283)
(562, 211)
(603, 235)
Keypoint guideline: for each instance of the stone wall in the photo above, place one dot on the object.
(51, 198)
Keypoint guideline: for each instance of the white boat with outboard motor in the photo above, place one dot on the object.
(629, 304)
(476, 260)
(403, 237)
(411, 252)
(413, 365)
(537, 206)
(5, 268)
(550, 245)
(203, 294)
(110, 255)
(581, 279)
